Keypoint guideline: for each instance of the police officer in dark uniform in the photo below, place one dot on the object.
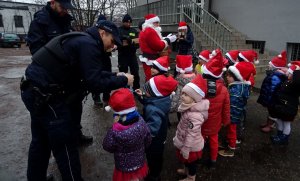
(60, 74)
(127, 52)
(51, 21)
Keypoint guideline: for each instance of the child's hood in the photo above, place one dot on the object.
(162, 103)
(201, 107)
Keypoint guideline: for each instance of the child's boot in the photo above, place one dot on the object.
(229, 152)
(282, 139)
(189, 178)
(182, 171)
(278, 134)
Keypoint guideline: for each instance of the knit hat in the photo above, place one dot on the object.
(279, 61)
(182, 25)
(121, 101)
(127, 18)
(232, 56)
(184, 63)
(249, 56)
(294, 65)
(160, 85)
(101, 17)
(243, 71)
(162, 63)
(215, 66)
(151, 18)
(196, 89)
(204, 55)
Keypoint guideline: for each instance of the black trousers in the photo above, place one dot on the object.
(192, 168)
(52, 129)
(130, 60)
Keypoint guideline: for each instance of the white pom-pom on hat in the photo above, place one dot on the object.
(182, 71)
(280, 56)
(256, 62)
(289, 64)
(224, 69)
(173, 93)
(107, 108)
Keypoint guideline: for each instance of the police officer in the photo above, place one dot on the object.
(127, 52)
(59, 75)
(51, 21)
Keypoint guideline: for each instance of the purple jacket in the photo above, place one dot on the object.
(128, 144)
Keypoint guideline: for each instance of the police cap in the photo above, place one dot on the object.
(110, 27)
(65, 4)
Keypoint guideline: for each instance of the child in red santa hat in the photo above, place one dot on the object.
(204, 57)
(276, 75)
(250, 57)
(188, 139)
(184, 69)
(286, 104)
(128, 138)
(156, 101)
(160, 66)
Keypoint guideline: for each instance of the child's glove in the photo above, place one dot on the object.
(185, 153)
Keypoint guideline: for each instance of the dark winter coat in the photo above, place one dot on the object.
(185, 45)
(239, 94)
(270, 87)
(46, 25)
(86, 65)
(128, 143)
(127, 34)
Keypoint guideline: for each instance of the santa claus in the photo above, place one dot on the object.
(152, 43)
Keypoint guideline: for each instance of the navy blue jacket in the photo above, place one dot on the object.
(45, 26)
(270, 87)
(86, 56)
(127, 34)
(185, 45)
(239, 94)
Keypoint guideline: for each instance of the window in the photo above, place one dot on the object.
(293, 50)
(18, 21)
(1, 21)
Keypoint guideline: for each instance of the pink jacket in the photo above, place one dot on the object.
(188, 136)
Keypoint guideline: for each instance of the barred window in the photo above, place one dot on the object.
(18, 21)
(293, 50)
(1, 21)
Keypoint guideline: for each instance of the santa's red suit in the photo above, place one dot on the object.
(151, 43)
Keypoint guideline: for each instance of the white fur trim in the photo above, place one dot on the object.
(160, 66)
(270, 63)
(256, 62)
(203, 58)
(107, 108)
(126, 111)
(206, 71)
(247, 82)
(242, 56)
(289, 64)
(146, 60)
(152, 20)
(229, 56)
(188, 69)
(236, 72)
(290, 71)
(150, 25)
(166, 44)
(196, 88)
(182, 28)
(154, 88)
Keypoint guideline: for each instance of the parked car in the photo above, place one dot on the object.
(9, 40)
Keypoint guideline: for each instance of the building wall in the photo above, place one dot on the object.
(276, 22)
(9, 9)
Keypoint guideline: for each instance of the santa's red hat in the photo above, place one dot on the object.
(151, 18)
(215, 66)
(182, 25)
(196, 89)
(279, 61)
(232, 55)
(184, 63)
(294, 65)
(121, 102)
(204, 55)
(160, 85)
(243, 71)
(249, 56)
(162, 63)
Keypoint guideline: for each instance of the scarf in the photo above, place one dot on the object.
(183, 107)
(127, 119)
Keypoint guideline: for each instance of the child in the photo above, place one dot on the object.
(184, 66)
(185, 39)
(128, 138)
(270, 87)
(239, 93)
(286, 105)
(231, 57)
(160, 66)
(156, 100)
(188, 139)
(219, 108)
(250, 57)
(204, 57)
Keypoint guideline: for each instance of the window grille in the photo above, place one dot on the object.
(18, 21)
(293, 50)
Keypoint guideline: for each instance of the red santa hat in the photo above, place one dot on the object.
(151, 18)
(204, 55)
(182, 25)
(249, 56)
(196, 89)
(184, 63)
(215, 66)
(162, 63)
(294, 65)
(279, 61)
(232, 55)
(243, 71)
(160, 85)
(121, 101)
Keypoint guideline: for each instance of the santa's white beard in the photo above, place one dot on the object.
(158, 29)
